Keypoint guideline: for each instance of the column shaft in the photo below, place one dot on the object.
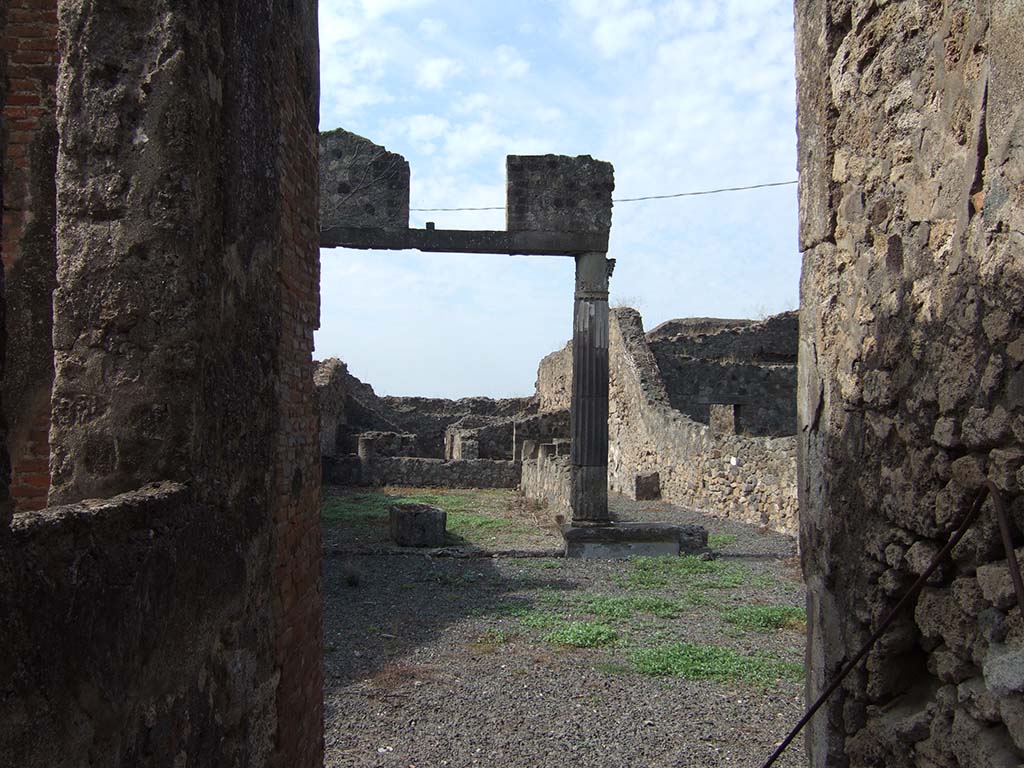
(589, 409)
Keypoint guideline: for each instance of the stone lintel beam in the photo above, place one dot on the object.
(531, 243)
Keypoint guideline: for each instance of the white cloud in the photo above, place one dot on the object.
(509, 63)
(433, 28)
(377, 8)
(619, 25)
(618, 33)
(434, 73)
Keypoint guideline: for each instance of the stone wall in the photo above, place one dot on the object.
(425, 417)
(554, 380)
(540, 428)
(436, 473)
(748, 364)
(5, 458)
(187, 238)
(28, 245)
(131, 635)
(752, 479)
(911, 153)
(329, 383)
(430, 417)
(547, 478)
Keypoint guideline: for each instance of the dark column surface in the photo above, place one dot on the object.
(589, 413)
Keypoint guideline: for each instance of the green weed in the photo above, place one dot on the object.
(360, 510)
(720, 540)
(626, 607)
(537, 619)
(711, 662)
(581, 634)
(766, 618)
(689, 570)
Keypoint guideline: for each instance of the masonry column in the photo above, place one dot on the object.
(589, 411)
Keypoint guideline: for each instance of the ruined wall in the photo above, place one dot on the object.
(436, 473)
(28, 242)
(752, 479)
(911, 151)
(490, 437)
(749, 364)
(362, 410)
(540, 428)
(547, 478)
(128, 636)
(330, 384)
(554, 380)
(183, 324)
(430, 417)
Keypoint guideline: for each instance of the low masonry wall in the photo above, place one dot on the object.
(137, 625)
(422, 473)
(547, 479)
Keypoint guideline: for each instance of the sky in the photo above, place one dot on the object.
(680, 95)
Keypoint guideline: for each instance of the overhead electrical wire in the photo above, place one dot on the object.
(629, 199)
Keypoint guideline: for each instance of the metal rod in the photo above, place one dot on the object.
(972, 515)
(1004, 532)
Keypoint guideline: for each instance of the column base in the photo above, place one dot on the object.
(622, 540)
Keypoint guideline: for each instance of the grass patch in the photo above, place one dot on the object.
(472, 516)
(688, 570)
(767, 618)
(494, 637)
(711, 662)
(582, 634)
(720, 540)
(470, 526)
(534, 618)
(627, 607)
(358, 509)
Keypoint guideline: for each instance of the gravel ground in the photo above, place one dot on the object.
(444, 661)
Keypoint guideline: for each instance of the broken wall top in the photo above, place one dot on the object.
(361, 183)
(556, 193)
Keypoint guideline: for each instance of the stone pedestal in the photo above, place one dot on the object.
(417, 525)
(622, 540)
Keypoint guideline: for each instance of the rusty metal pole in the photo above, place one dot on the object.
(589, 410)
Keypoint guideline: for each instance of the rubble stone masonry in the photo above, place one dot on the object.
(911, 154)
(746, 478)
(177, 624)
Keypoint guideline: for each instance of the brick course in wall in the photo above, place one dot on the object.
(29, 43)
(298, 603)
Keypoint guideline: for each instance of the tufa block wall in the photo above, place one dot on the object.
(28, 243)
(911, 152)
